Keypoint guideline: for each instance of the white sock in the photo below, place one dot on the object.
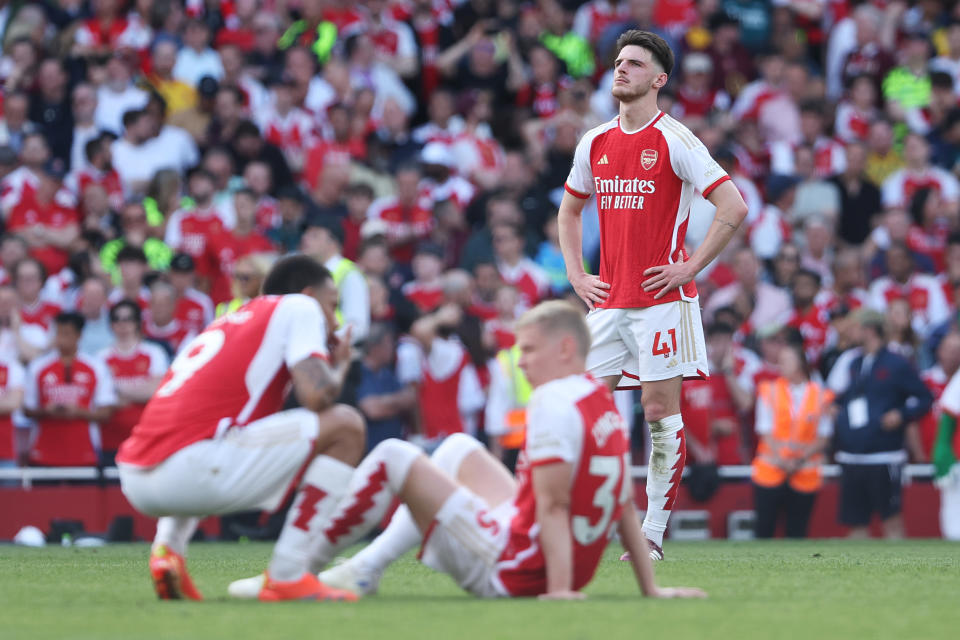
(378, 478)
(402, 534)
(175, 533)
(668, 452)
(323, 485)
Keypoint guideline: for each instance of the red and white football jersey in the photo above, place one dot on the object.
(222, 252)
(79, 179)
(899, 188)
(572, 420)
(949, 402)
(392, 38)
(12, 378)
(189, 231)
(455, 188)
(852, 124)
(41, 313)
(922, 291)
(194, 310)
(814, 326)
(233, 373)
(175, 333)
(292, 133)
(86, 384)
(528, 278)
(401, 222)
(593, 17)
(830, 300)
(425, 297)
(644, 181)
(55, 215)
(702, 402)
(144, 362)
(829, 157)
(17, 187)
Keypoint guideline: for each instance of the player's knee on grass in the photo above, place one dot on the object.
(452, 451)
(343, 434)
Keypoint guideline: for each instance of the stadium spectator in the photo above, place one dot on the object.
(92, 305)
(67, 393)
(225, 248)
(136, 367)
(323, 240)
(132, 266)
(117, 95)
(381, 398)
(878, 394)
(12, 381)
(794, 426)
(160, 321)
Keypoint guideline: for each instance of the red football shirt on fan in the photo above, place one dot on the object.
(425, 297)
(572, 420)
(143, 362)
(175, 333)
(41, 313)
(12, 377)
(814, 325)
(702, 402)
(222, 252)
(194, 310)
(327, 152)
(78, 180)
(233, 373)
(53, 214)
(401, 223)
(189, 231)
(85, 384)
(644, 181)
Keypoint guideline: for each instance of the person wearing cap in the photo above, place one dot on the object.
(194, 307)
(134, 232)
(48, 221)
(323, 240)
(878, 394)
(441, 180)
(224, 248)
(407, 214)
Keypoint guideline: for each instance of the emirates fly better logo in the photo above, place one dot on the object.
(648, 158)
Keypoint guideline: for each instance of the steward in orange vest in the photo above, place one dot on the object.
(793, 424)
(794, 443)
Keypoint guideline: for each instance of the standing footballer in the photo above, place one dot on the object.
(644, 168)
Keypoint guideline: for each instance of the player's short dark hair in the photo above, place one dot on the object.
(293, 274)
(653, 43)
(126, 303)
(70, 318)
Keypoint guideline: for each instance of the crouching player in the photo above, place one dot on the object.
(213, 438)
(542, 534)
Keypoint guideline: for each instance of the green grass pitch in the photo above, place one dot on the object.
(809, 590)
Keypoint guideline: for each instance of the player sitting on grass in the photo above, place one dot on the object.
(213, 438)
(541, 534)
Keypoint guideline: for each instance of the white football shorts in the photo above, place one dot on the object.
(466, 540)
(249, 467)
(648, 344)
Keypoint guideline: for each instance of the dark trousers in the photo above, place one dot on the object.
(769, 502)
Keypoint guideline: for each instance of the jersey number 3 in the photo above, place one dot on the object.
(198, 353)
(610, 469)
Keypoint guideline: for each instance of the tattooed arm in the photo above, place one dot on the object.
(317, 382)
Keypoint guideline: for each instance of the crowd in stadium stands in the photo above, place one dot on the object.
(156, 155)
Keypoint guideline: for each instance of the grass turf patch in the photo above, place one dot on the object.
(813, 589)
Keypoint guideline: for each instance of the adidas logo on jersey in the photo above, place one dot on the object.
(603, 160)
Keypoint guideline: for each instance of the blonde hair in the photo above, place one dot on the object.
(559, 316)
(261, 263)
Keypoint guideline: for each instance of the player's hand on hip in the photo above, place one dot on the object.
(678, 592)
(590, 288)
(667, 277)
(562, 595)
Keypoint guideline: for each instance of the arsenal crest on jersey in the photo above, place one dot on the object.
(648, 158)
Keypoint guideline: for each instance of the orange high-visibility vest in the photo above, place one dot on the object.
(794, 429)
